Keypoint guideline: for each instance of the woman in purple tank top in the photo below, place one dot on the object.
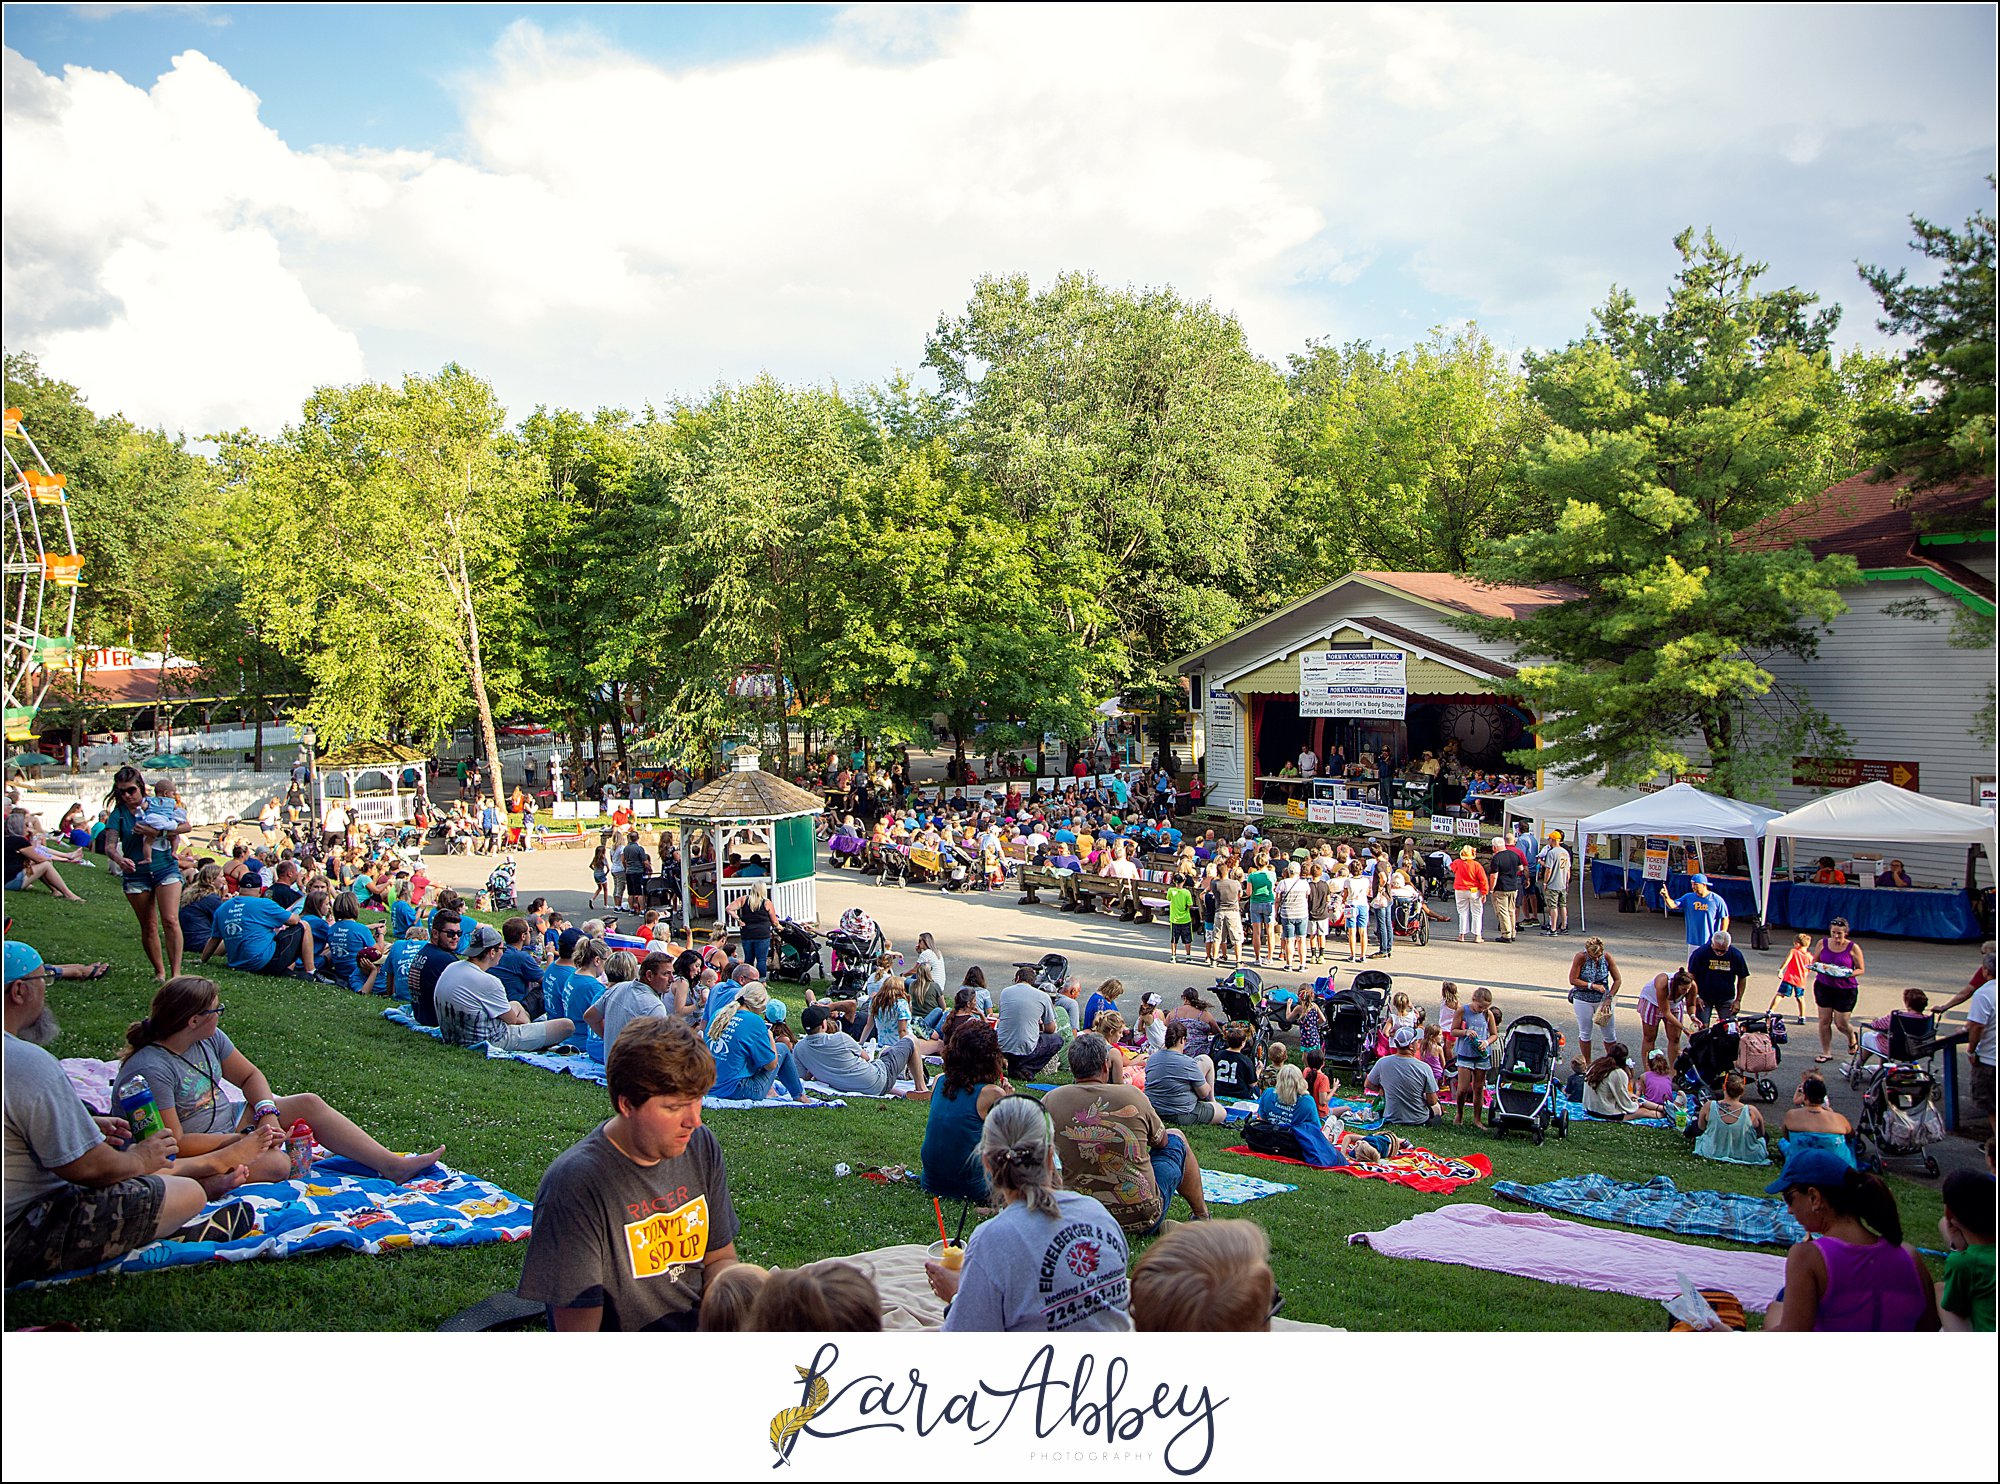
(1837, 970)
(1858, 1275)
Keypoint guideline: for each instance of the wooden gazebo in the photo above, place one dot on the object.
(371, 805)
(753, 815)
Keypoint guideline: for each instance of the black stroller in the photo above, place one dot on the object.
(1524, 1089)
(1051, 972)
(500, 887)
(797, 958)
(1899, 1113)
(855, 945)
(1354, 1021)
(1241, 994)
(1710, 1056)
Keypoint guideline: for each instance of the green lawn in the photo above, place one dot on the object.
(505, 1122)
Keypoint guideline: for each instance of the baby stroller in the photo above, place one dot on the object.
(1757, 1053)
(1524, 1093)
(500, 887)
(856, 943)
(1354, 1021)
(1710, 1056)
(1241, 995)
(958, 864)
(1899, 1114)
(1051, 972)
(798, 953)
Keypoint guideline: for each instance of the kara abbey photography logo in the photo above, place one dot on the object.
(1091, 1401)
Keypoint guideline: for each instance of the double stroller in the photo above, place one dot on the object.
(1354, 1018)
(1899, 1113)
(1524, 1089)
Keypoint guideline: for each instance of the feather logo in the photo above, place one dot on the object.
(788, 1424)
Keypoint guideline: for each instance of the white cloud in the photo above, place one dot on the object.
(617, 230)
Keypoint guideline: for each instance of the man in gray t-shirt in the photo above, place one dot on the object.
(634, 1219)
(1027, 1027)
(828, 1054)
(1408, 1087)
(632, 1000)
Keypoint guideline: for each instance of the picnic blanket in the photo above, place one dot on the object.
(589, 1069)
(1757, 1220)
(1420, 1169)
(1221, 1188)
(93, 1081)
(1532, 1244)
(904, 1086)
(1578, 1115)
(341, 1205)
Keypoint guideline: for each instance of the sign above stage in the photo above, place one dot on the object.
(1368, 683)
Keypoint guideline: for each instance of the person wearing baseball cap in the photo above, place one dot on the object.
(1707, 914)
(827, 1053)
(74, 1199)
(473, 1008)
(1854, 1271)
(257, 936)
(1407, 1086)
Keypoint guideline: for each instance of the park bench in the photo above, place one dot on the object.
(1081, 891)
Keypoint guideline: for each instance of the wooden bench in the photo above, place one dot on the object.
(1136, 901)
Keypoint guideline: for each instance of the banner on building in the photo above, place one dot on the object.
(1852, 772)
(1369, 683)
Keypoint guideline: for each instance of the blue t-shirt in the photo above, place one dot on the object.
(465, 926)
(1704, 916)
(740, 1051)
(555, 985)
(1172, 837)
(248, 927)
(198, 922)
(1095, 1006)
(402, 917)
(402, 955)
(519, 971)
(1302, 1118)
(322, 932)
(344, 941)
(1118, 790)
(892, 1024)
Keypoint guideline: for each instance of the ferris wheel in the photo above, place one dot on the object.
(38, 549)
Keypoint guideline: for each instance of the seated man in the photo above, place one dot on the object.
(634, 1220)
(73, 1200)
(473, 1008)
(519, 971)
(1408, 1087)
(1113, 1146)
(258, 936)
(828, 1054)
(643, 998)
(1027, 1027)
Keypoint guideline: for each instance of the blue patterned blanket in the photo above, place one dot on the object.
(343, 1206)
(1758, 1220)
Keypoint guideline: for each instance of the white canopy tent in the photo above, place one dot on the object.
(1684, 809)
(1883, 813)
(1567, 801)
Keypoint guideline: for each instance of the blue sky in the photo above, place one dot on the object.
(211, 209)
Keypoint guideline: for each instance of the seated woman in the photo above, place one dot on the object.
(747, 1060)
(975, 1078)
(1895, 876)
(1607, 1087)
(1811, 1124)
(181, 1051)
(1731, 1131)
(1053, 1259)
(1875, 1039)
(1289, 1108)
(1853, 1272)
(890, 1021)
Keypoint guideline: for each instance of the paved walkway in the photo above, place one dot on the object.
(1529, 976)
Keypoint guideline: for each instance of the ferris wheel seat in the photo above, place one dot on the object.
(47, 488)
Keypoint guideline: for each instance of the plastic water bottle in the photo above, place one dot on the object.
(299, 1148)
(141, 1109)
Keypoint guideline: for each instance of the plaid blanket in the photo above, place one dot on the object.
(341, 1205)
(586, 1068)
(1756, 1220)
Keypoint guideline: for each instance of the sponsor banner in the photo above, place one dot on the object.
(1470, 828)
(1402, 821)
(1254, 808)
(1441, 825)
(564, 809)
(1295, 809)
(1375, 816)
(1321, 811)
(645, 808)
(1852, 772)
(1353, 682)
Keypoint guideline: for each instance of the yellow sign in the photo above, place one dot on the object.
(1295, 809)
(1402, 820)
(668, 1239)
(924, 856)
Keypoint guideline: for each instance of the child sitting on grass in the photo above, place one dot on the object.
(1965, 1298)
(1235, 1068)
(1274, 1063)
(1657, 1085)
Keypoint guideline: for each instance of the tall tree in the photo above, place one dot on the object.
(1673, 433)
(1943, 433)
(1406, 463)
(380, 542)
(1141, 429)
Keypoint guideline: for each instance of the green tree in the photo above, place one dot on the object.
(1674, 433)
(1942, 434)
(1137, 427)
(380, 537)
(1406, 463)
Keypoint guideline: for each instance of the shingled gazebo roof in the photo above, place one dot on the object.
(373, 755)
(746, 793)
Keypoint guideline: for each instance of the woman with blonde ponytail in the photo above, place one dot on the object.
(1053, 1259)
(746, 1058)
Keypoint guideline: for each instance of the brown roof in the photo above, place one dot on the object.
(1465, 659)
(1861, 518)
(1469, 595)
(372, 755)
(746, 794)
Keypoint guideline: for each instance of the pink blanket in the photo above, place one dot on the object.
(1536, 1245)
(92, 1080)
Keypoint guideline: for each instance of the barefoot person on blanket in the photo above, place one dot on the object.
(75, 1198)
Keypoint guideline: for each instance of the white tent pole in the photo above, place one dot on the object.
(1582, 874)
